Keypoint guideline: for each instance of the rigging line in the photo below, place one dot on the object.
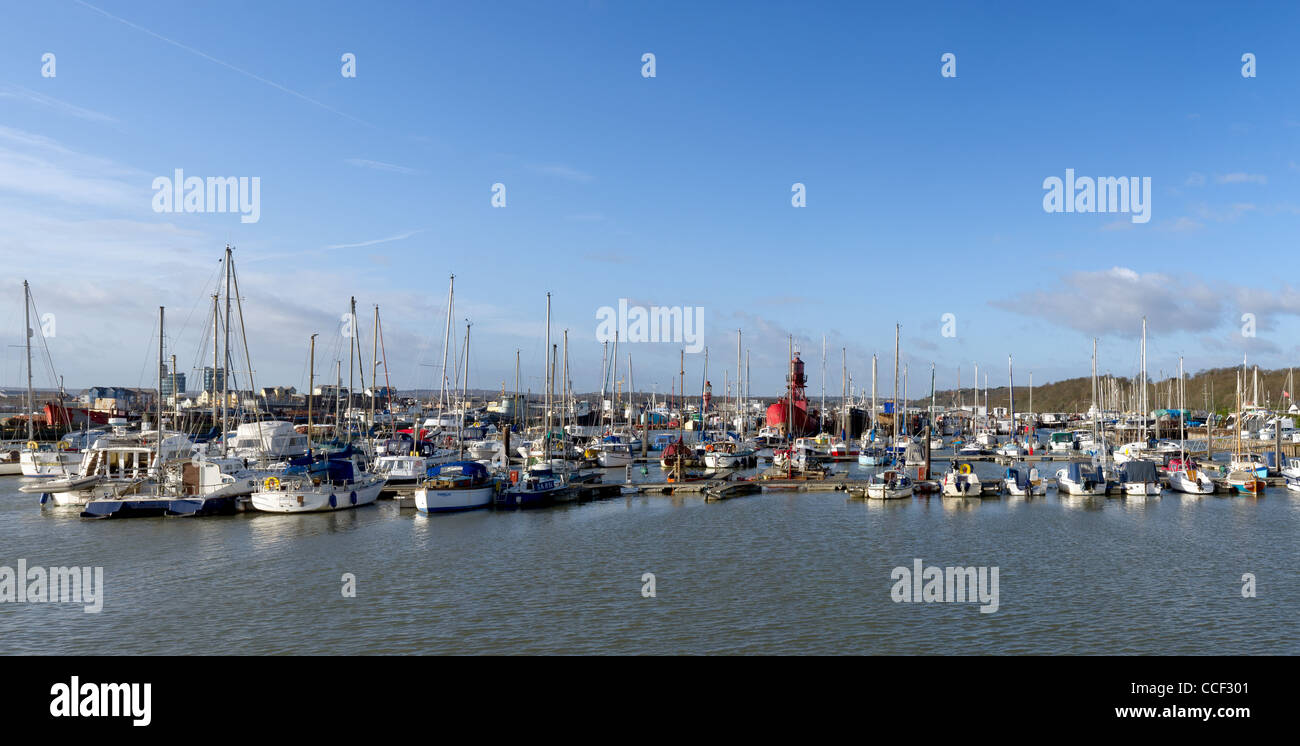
(186, 324)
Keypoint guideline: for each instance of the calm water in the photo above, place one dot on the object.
(780, 572)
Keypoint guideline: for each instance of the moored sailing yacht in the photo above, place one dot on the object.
(333, 482)
(327, 484)
(458, 485)
(889, 485)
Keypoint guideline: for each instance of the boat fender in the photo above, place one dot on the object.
(45, 496)
(333, 502)
(353, 497)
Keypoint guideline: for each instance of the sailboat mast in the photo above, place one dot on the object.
(338, 384)
(27, 332)
(311, 385)
(547, 368)
(897, 330)
(873, 391)
(159, 404)
(1182, 396)
(225, 364)
(737, 403)
(216, 333)
(1011, 392)
(374, 377)
(464, 397)
(446, 343)
(822, 415)
(844, 392)
(1095, 434)
(352, 362)
(1143, 413)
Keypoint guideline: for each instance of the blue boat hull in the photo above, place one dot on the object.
(157, 507)
(525, 499)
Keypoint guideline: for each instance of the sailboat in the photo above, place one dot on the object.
(458, 485)
(539, 484)
(889, 485)
(1185, 477)
(44, 459)
(320, 483)
(1244, 479)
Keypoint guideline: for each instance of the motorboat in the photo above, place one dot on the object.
(1025, 482)
(962, 481)
(1081, 478)
(539, 485)
(1139, 478)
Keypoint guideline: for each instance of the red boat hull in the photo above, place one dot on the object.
(804, 423)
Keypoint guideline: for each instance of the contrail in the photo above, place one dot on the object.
(210, 58)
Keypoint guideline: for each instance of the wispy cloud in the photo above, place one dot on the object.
(1239, 177)
(380, 166)
(1114, 301)
(1182, 225)
(50, 102)
(37, 166)
(223, 63)
(372, 242)
(561, 170)
(1224, 214)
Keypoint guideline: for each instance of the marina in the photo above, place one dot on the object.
(593, 328)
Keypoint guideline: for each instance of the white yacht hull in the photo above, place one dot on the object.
(445, 501)
(969, 487)
(322, 500)
(1181, 482)
(613, 458)
(46, 464)
(882, 492)
(1033, 490)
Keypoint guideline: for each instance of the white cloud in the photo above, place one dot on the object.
(1241, 178)
(380, 166)
(1114, 301)
(562, 171)
(50, 102)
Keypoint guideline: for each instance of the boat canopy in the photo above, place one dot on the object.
(1083, 471)
(472, 469)
(1020, 478)
(333, 470)
(1139, 470)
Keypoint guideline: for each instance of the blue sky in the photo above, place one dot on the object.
(924, 193)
